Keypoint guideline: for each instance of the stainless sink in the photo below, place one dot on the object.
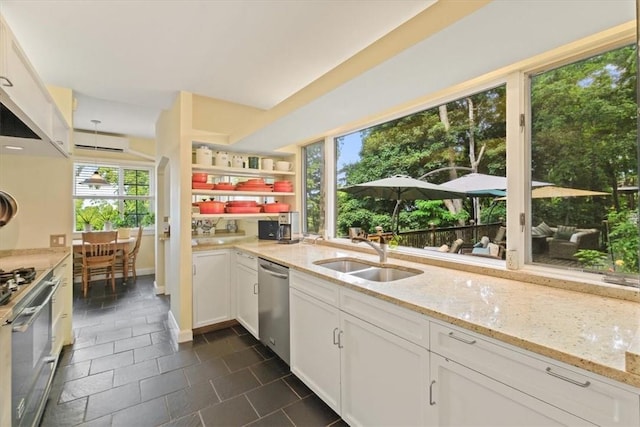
(368, 270)
(344, 265)
(385, 274)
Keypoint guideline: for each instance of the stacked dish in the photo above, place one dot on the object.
(257, 184)
(224, 186)
(201, 186)
(243, 206)
(276, 207)
(283, 186)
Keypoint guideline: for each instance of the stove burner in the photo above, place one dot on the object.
(21, 276)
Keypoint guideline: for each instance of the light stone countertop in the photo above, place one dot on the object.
(43, 260)
(592, 332)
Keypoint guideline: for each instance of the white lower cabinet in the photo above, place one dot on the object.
(383, 376)
(62, 302)
(315, 356)
(367, 375)
(247, 292)
(462, 397)
(211, 287)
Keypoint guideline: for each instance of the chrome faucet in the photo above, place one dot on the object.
(381, 249)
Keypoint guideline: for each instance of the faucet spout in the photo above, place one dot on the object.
(381, 249)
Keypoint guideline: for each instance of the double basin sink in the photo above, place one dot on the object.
(368, 270)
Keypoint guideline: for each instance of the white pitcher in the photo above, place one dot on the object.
(204, 155)
(222, 159)
(267, 164)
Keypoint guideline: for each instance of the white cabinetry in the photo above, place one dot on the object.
(247, 291)
(576, 393)
(22, 91)
(211, 288)
(62, 307)
(463, 397)
(5, 374)
(364, 372)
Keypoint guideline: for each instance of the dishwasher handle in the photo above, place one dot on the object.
(273, 272)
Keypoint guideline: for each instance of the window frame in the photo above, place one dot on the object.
(518, 145)
(121, 165)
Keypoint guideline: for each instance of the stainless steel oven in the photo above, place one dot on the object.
(32, 365)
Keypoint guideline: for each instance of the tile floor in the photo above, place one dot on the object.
(125, 370)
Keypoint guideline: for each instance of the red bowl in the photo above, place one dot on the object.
(224, 186)
(211, 207)
(275, 207)
(242, 203)
(199, 177)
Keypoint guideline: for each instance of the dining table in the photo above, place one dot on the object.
(121, 244)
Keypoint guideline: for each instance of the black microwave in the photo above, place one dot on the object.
(268, 230)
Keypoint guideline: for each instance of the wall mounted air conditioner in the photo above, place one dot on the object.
(88, 141)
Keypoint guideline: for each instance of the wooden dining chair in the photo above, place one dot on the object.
(98, 255)
(126, 259)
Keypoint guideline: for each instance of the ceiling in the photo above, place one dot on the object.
(126, 61)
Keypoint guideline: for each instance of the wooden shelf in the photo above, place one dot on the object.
(234, 216)
(239, 193)
(237, 171)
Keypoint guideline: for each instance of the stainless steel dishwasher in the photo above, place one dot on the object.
(273, 307)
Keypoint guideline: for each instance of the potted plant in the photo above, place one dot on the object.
(85, 216)
(122, 225)
(109, 215)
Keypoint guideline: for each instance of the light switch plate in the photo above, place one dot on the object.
(57, 240)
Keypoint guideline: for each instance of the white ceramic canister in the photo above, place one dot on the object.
(238, 162)
(267, 164)
(222, 159)
(281, 165)
(204, 156)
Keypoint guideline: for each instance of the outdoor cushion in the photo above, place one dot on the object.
(542, 230)
(564, 232)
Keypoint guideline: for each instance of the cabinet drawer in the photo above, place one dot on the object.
(397, 320)
(569, 388)
(249, 261)
(318, 288)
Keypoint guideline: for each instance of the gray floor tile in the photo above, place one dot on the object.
(108, 336)
(92, 352)
(232, 412)
(192, 420)
(311, 411)
(214, 350)
(75, 371)
(162, 384)
(82, 387)
(112, 400)
(153, 351)
(242, 359)
(64, 414)
(205, 371)
(148, 328)
(100, 422)
(191, 399)
(270, 397)
(136, 372)
(177, 360)
(235, 383)
(131, 343)
(113, 361)
(277, 418)
(152, 413)
(270, 370)
(297, 386)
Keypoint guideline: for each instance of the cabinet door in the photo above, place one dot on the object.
(247, 298)
(462, 397)
(315, 356)
(211, 303)
(384, 377)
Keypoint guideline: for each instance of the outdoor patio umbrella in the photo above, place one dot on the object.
(402, 187)
(552, 191)
(480, 184)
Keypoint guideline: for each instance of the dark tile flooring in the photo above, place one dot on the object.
(124, 369)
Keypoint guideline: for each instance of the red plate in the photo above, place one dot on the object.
(224, 186)
(242, 203)
(201, 186)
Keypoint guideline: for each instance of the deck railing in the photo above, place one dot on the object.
(436, 237)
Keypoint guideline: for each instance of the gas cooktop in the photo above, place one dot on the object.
(10, 280)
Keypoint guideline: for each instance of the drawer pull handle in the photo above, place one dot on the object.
(335, 336)
(431, 401)
(452, 335)
(255, 289)
(571, 380)
(7, 82)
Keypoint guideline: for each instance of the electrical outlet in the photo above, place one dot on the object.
(57, 240)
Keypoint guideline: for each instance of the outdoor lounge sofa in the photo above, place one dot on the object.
(566, 241)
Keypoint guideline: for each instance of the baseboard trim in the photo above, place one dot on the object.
(180, 336)
(158, 289)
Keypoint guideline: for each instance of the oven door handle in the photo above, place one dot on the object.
(31, 313)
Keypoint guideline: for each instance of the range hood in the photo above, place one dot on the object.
(12, 126)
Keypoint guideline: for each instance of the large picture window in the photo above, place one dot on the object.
(127, 200)
(314, 188)
(584, 141)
